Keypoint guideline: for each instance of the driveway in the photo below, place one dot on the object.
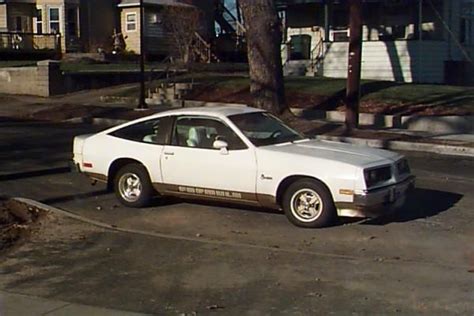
(180, 257)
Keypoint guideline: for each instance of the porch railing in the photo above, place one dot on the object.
(29, 42)
(203, 49)
(317, 54)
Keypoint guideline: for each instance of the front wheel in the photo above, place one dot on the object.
(308, 203)
(132, 186)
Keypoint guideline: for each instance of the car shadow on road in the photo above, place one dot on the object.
(221, 204)
(159, 201)
(423, 203)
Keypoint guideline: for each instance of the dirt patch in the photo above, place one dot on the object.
(17, 221)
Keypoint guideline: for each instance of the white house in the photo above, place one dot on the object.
(428, 41)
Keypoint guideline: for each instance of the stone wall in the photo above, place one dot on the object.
(43, 80)
(47, 79)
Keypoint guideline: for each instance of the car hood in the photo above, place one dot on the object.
(335, 151)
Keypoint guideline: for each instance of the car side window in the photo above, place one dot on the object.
(152, 132)
(203, 132)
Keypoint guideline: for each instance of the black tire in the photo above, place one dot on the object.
(316, 206)
(140, 193)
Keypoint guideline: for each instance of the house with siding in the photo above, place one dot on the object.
(88, 26)
(157, 39)
(429, 41)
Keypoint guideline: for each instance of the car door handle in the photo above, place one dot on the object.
(169, 154)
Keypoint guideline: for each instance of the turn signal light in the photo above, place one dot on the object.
(346, 192)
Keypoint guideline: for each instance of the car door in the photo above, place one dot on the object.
(191, 166)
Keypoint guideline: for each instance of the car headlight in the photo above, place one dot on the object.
(377, 175)
(403, 167)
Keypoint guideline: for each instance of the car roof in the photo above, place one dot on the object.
(218, 111)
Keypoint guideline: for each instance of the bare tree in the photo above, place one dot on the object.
(182, 23)
(263, 44)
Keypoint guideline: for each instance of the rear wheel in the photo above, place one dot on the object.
(132, 186)
(308, 203)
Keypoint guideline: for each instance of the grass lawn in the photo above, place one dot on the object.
(87, 66)
(17, 63)
(106, 67)
(326, 93)
(74, 67)
(425, 93)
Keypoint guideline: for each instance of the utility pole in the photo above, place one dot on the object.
(354, 65)
(141, 101)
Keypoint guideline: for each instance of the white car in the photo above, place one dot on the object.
(247, 156)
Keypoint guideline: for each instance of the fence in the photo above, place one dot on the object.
(29, 42)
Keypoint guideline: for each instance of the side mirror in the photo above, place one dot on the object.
(221, 145)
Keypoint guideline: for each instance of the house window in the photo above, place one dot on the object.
(39, 21)
(54, 20)
(131, 22)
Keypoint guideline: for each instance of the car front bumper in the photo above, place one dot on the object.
(379, 201)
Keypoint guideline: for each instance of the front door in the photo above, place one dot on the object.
(192, 167)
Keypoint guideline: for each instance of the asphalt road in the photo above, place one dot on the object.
(235, 260)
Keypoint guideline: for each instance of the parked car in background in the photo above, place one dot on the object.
(247, 156)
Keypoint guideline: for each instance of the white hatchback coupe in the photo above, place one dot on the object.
(247, 156)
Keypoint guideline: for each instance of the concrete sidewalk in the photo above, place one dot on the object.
(24, 305)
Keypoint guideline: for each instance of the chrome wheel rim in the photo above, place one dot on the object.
(130, 187)
(306, 205)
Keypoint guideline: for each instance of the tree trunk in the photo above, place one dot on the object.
(263, 44)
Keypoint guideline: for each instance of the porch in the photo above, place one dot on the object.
(29, 42)
(39, 24)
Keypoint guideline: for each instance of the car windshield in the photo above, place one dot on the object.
(264, 129)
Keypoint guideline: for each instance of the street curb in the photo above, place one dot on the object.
(401, 145)
(19, 304)
(198, 239)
